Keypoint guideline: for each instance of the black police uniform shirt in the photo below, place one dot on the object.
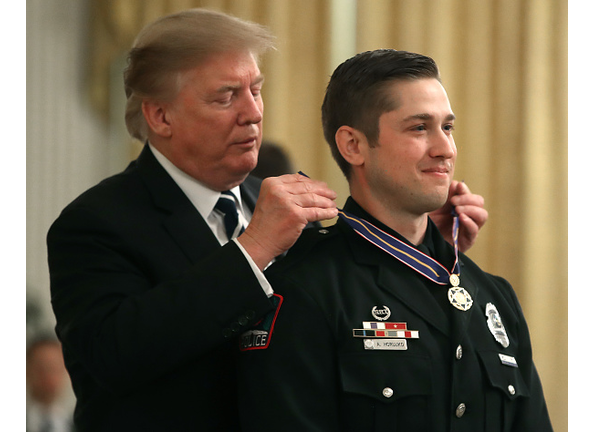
(304, 369)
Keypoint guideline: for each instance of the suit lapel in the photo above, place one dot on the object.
(191, 233)
(180, 218)
(250, 190)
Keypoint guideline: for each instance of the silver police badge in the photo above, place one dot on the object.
(495, 325)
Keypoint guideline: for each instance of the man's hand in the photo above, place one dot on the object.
(471, 212)
(285, 206)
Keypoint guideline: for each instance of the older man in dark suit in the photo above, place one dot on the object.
(146, 288)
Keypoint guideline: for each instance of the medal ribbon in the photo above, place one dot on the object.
(406, 254)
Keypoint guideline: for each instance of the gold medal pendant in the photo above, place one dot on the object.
(458, 296)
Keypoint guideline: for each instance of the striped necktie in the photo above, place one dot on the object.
(226, 205)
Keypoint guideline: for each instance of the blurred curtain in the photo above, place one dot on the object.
(504, 64)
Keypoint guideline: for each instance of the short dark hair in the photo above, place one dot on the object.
(357, 94)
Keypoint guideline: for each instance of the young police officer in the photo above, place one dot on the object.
(380, 324)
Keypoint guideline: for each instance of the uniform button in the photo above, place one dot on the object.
(459, 352)
(227, 333)
(460, 410)
(250, 314)
(388, 392)
(242, 320)
(511, 389)
(323, 231)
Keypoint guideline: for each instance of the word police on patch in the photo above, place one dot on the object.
(259, 336)
(254, 339)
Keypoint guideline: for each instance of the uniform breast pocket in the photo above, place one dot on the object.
(506, 387)
(385, 391)
(504, 375)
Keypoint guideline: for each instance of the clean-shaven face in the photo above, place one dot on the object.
(411, 168)
(216, 120)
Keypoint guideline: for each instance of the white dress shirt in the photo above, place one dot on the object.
(205, 199)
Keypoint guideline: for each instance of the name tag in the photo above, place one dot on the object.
(508, 360)
(385, 344)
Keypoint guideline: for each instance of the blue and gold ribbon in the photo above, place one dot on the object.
(406, 254)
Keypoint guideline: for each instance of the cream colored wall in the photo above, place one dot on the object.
(68, 147)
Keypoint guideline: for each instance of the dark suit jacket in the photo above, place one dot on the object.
(148, 305)
(315, 375)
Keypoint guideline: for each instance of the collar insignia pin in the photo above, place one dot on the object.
(381, 314)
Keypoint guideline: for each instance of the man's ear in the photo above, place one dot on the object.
(351, 143)
(156, 117)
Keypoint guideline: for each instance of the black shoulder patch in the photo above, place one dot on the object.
(259, 336)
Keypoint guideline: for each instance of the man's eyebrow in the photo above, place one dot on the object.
(232, 87)
(258, 80)
(426, 116)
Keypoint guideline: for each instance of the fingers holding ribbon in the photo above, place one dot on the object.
(285, 206)
(472, 214)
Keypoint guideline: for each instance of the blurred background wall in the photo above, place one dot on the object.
(503, 62)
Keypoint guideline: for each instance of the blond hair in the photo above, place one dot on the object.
(175, 43)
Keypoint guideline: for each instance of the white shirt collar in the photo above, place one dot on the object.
(203, 198)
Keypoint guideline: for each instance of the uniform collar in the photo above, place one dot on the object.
(433, 243)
